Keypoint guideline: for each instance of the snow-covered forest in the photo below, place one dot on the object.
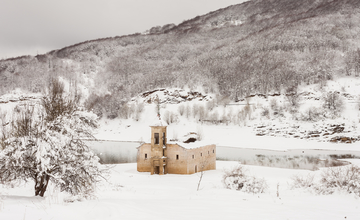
(279, 76)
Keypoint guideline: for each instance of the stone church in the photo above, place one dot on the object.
(161, 157)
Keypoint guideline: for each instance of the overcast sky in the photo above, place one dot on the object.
(30, 27)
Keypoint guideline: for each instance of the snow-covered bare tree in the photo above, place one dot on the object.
(333, 102)
(45, 144)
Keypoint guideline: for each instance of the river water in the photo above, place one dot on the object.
(112, 152)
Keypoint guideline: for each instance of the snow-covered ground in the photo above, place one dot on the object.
(132, 195)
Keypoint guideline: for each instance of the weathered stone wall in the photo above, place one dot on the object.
(190, 160)
(144, 164)
(201, 159)
(177, 159)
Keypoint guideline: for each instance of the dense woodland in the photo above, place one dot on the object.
(258, 47)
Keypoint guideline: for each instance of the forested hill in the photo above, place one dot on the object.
(260, 46)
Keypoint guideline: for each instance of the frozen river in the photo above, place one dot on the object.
(111, 152)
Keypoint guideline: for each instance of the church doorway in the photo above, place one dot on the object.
(156, 169)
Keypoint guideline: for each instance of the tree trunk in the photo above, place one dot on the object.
(41, 183)
(201, 176)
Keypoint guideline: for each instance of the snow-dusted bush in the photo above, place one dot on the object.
(200, 133)
(214, 117)
(199, 112)
(139, 108)
(124, 111)
(265, 112)
(187, 111)
(241, 117)
(311, 114)
(133, 111)
(293, 103)
(45, 144)
(276, 108)
(3, 129)
(181, 110)
(237, 179)
(333, 102)
(210, 105)
(170, 117)
(222, 100)
(302, 181)
(274, 104)
(94, 104)
(195, 110)
(345, 178)
(202, 113)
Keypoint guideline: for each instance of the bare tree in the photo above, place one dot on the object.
(333, 102)
(202, 166)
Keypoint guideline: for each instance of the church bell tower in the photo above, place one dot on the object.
(158, 149)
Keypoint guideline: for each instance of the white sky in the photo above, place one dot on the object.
(38, 26)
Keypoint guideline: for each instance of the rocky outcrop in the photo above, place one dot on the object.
(335, 133)
(172, 96)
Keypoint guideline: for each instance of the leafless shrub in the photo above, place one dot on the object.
(237, 179)
(276, 108)
(187, 111)
(214, 117)
(244, 114)
(4, 129)
(210, 105)
(170, 117)
(181, 110)
(274, 104)
(294, 101)
(333, 102)
(125, 111)
(57, 102)
(345, 178)
(200, 133)
(195, 110)
(302, 181)
(311, 114)
(265, 112)
(241, 117)
(139, 108)
(94, 104)
(202, 113)
(222, 100)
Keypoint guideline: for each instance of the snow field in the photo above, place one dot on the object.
(132, 195)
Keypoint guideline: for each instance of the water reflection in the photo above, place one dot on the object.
(114, 152)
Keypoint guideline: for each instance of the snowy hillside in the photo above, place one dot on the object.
(242, 123)
(239, 124)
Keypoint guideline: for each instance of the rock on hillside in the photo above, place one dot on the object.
(171, 96)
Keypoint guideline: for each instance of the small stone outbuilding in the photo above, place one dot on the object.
(161, 157)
